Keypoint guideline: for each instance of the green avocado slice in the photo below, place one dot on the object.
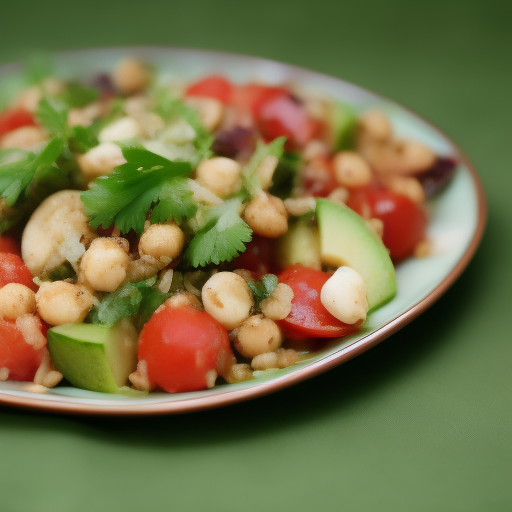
(94, 357)
(346, 240)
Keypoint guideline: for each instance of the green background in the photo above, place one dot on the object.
(422, 422)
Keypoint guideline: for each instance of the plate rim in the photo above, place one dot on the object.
(313, 369)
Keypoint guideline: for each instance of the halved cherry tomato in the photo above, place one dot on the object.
(15, 118)
(180, 346)
(282, 115)
(318, 178)
(405, 223)
(214, 86)
(308, 317)
(257, 256)
(20, 358)
(13, 270)
(250, 96)
(9, 245)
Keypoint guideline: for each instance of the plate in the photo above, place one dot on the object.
(457, 219)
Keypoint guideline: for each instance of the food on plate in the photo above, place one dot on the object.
(174, 236)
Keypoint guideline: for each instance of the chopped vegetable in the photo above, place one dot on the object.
(125, 196)
(221, 238)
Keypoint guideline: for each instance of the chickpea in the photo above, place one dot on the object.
(162, 241)
(350, 170)
(281, 358)
(220, 175)
(279, 304)
(84, 116)
(122, 129)
(210, 111)
(407, 186)
(339, 195)
(227, 297)
(267, 216)
(100, 160)
(130, 76)
(344, 296)
(374, 125)
(239, 373)
(105, 263)
(25, 137)
(297, 206)
(62, 303)
(16, 300)
(183, 299)
(258, 335)
(414, 157)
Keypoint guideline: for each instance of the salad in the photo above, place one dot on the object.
(174, 236)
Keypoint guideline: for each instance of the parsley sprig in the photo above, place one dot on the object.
(139, 300)
(263, 288)
(17, 177)
(146, 182)
(222, 237)
(53, 117)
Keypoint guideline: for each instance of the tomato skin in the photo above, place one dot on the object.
(15, 118)
(318, 178)
(13, 270)
(180, 346)
(405, 223)
(9, 245)
(281, 115)
(250, 96)
(215, 86)
(16, 354)
(308, 317)
(258, 256)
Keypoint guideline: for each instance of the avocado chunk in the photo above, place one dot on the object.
(94, 357)
(344, 125)
(300, 244)
(345, 239)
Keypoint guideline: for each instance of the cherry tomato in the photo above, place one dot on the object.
(9, 245)
(257, 256)
(308, 317)
(318, 178)
(213, 86)
(13, 270)
(16, 354)
(15, 118)
(405, 224)
(180, 346)
(282, 115)
(250, 96)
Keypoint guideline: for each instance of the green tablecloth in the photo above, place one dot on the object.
(422, 422)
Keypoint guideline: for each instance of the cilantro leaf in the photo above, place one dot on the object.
(263, 288)
(81, 139)
(76, 95)
(169, 107)
(222, 237)
(286, 175)
(250, 181)
(126, 195)
(52, 118)
(128, 301)
(16, 177)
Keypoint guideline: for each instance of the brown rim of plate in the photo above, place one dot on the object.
(329, 362)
